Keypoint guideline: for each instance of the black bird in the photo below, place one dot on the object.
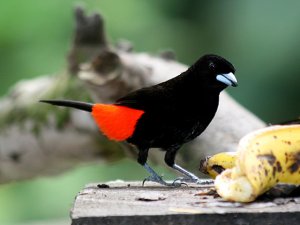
(165, 115)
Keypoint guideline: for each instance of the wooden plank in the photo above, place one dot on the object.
(131, 203)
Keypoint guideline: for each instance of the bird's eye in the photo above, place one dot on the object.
(211, 66)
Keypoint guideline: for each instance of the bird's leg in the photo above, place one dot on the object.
(190, 176)
(170, 161)
(154, 177)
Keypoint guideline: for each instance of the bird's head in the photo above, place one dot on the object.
(214, 71)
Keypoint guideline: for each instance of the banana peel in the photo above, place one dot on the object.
(216, 164)
(264, 158)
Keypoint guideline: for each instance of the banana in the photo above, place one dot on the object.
(216, 164)
(264, 158)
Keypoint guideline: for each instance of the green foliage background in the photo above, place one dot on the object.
(261, 38)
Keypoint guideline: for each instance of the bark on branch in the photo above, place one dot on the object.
(37, 139)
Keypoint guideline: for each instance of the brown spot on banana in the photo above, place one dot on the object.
(287, 142)
(278, 166)
(269, 157)
(296, 164)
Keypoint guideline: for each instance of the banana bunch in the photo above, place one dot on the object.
(264, 158)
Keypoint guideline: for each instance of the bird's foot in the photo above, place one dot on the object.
(194, 180)
(159, 180)
(154, 177)
(189, 177)
(205, 182)
(185, 180)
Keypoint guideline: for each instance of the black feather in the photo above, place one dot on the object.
(73, 104)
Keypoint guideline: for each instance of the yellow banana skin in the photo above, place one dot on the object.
(264, 158)
(214, 165)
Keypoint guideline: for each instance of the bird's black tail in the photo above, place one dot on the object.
(73, 104)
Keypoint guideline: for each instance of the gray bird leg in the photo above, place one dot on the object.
(154, 177)
(189, 177)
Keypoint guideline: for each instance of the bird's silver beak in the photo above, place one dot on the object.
(228, 79)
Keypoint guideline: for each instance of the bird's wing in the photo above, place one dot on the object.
(118, 121)
(145, 99)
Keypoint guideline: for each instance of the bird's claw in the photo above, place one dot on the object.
(158, 179)
(205, 182)
(185, 180)
(179, 182)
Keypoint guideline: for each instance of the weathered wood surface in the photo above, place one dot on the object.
(131, 203)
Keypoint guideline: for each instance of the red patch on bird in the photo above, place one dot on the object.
(116, 122)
